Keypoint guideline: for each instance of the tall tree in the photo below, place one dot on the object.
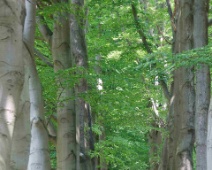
(11, 71)
(80, 61)
(189, 26)
(59, 42)
(66, 133)
(182, 103)
(200, 36)
(39, 151)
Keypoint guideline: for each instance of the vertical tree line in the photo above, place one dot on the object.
(26, 132)
(189, 104)
(19, 74)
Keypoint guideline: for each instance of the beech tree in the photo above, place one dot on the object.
(203, 84)
(155, 69)
(62, 59)
(12, 73)
(80, 61)
(39, 151)
(183, 106)
(69, 50)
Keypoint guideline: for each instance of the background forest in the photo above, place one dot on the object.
(130, 62)
(126, 99)
(107, 85)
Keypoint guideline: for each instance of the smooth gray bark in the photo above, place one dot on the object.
(209, 138)
(66, 133)
(39, 152)
(22, 134)
(200, 36)
(62, 60)
(11, 73)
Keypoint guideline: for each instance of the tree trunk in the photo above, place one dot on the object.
(155, 138)
(209, 138)
(66, 133)
(39, 152)
(22, 135)
(183, 107)
(202, 84)
(11, 73)
(183, 99)
(182, 104)
(80, 60)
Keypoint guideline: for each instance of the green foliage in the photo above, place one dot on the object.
(49, 87)
(122, 152)
(130, 76)
(122, 106)
(53, 156)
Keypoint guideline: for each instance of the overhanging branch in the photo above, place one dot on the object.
(165, 90)
(44, 29)
(139, 29)
(42, 57)
(146, 44)
(169, 8)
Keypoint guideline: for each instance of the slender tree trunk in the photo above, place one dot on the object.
(168, 152)
(39, 152)
(209, 138)
(11, 73)
(80, 60)
(202, 84)
(66, 133)
(155, 139)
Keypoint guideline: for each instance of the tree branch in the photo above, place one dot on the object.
(169, 8)
(154, 108)
(139, 30)
(165, 38)
(42, 57)
(171, 15)
(44, 29)
(91, 136)
(146, 44)
(165, 89)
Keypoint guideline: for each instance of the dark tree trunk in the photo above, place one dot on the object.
(179, 144)
(80, 61)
